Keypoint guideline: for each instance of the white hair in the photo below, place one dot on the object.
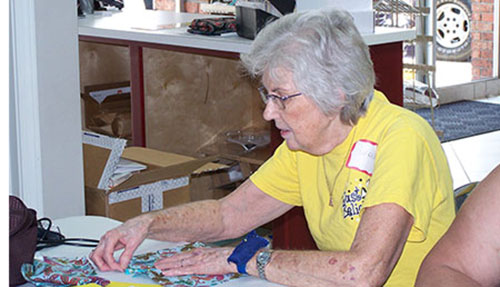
(326, 55)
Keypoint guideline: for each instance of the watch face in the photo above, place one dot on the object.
(263, 257)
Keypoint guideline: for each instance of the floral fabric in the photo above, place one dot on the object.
(60, 271)
(143, 265)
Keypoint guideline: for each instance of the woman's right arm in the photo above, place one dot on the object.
(211, 220)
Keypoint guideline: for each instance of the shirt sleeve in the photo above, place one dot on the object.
(278, 176)
(405, 174)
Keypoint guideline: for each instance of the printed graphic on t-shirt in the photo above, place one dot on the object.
(353, 197)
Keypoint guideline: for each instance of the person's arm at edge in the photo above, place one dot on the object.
(467, 255)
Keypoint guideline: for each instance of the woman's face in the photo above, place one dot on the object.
(302, 124)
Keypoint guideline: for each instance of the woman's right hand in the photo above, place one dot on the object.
(127, 236)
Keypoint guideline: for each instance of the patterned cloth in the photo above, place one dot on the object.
(54, 271)
(213, 26)
(144, 265)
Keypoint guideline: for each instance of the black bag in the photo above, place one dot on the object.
(22, 238)
(212, 26)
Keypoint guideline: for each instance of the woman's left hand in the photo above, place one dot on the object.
(198, 261)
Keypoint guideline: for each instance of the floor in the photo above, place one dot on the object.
(446, 74)
(472, 158)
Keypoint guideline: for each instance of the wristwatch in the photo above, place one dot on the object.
(246, 250)
(263, 259)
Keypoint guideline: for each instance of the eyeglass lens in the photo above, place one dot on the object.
(265, 96)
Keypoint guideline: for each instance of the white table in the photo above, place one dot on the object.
(92, 227)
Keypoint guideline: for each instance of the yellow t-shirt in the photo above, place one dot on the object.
(391, 156)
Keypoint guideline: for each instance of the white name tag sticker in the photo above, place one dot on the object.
(362, 156)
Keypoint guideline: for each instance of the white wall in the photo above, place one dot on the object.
(45, 122)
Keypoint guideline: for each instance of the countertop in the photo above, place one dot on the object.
(170, 28)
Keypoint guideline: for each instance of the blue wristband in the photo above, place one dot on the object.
(246, 250)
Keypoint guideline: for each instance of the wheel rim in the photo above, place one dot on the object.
(453, 27)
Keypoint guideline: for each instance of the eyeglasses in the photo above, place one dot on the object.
(279, 101)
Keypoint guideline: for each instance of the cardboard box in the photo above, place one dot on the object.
(165, 182)
(107, 109)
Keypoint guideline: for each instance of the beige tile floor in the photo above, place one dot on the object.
(472, 158)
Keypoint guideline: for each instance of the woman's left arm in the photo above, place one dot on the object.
(376, 248)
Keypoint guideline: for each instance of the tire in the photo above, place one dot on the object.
(453, 35)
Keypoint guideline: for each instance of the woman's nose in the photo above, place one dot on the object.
(271, 111)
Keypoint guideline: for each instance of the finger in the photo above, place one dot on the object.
(119, 246)
(193, 269)
(108, 251)
(97, 257)
(196, 269)
(204, 261)
(174, 261)
(199, 261)
(95, 260)
(126, 256)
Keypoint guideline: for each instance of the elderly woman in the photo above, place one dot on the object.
(371, 176)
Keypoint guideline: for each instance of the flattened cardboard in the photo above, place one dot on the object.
(163, 159)
(192, 98)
